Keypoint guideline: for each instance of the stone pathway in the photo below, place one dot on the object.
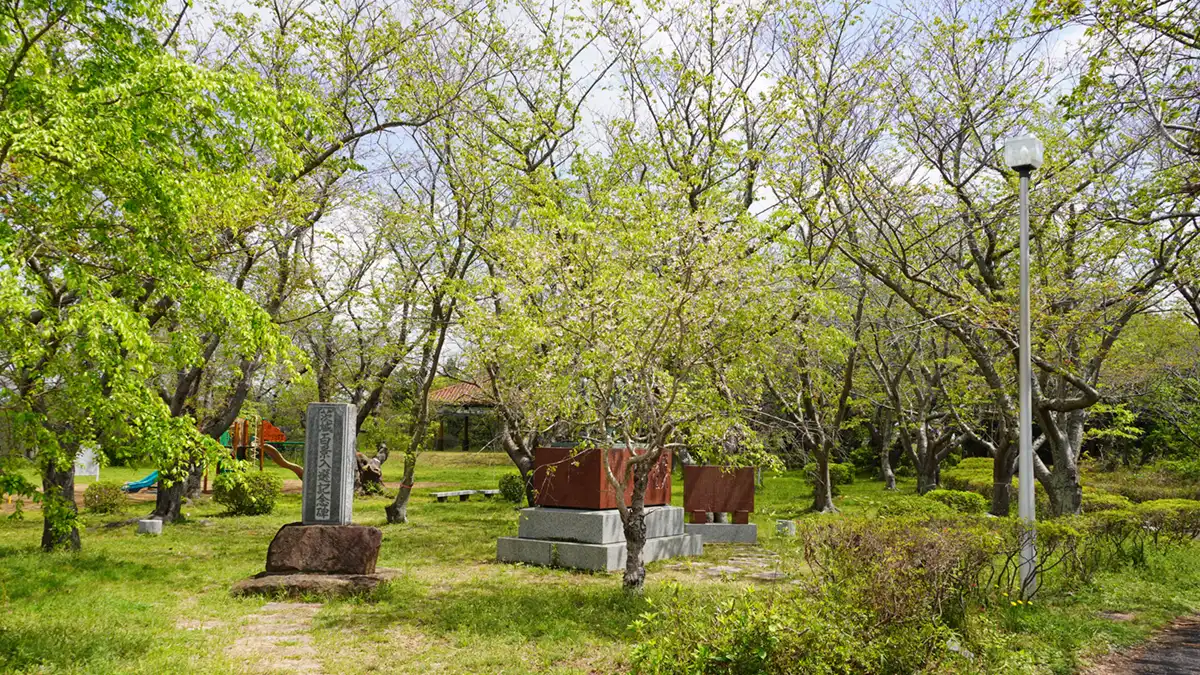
(276, 639)
(755, 564)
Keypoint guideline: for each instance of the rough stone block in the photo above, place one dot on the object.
(324, 549)
(329, 464)
(785, 528)
(724, 533)
(594, 527)
(150, 526)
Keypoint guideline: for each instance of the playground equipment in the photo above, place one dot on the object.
(263, 443)
(139, 485)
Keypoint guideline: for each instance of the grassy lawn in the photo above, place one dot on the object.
(139, 604)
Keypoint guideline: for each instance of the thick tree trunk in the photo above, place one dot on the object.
(58, 488)
(635, 531)
(168, 502)
(927, 472)
(822, 485)
(1064, 491)
(397, 511)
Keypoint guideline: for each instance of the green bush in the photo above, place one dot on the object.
(1098, 500)
(973, 474)
(1186, 470)
(104, 497)
(908, 505)
(247, 493)
(961, 501)
(880, 596)
(512, 488)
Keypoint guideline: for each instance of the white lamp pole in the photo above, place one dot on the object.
(1024, 154)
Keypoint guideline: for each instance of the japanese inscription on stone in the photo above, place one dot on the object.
(329, 464)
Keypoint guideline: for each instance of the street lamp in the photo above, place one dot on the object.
(1023, 155)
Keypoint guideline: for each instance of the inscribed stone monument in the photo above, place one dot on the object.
(329, 464)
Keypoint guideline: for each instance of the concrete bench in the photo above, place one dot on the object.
(488, 493)
(463, 495)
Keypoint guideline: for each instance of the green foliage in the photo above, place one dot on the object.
(961, 501)
(16, 487)
(839, 474)
(245, 492)
(512, 488)
(1098, 500)
(973, 474)
(909, 505)
(104, 497)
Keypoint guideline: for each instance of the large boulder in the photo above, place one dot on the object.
(324, 549)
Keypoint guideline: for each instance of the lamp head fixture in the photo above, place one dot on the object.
(1023, 153)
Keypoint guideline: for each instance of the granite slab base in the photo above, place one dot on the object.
(724, 533)
(593, 557)
(594, 526)
(312, 585)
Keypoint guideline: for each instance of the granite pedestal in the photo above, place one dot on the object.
(724, 533)
(594, 539)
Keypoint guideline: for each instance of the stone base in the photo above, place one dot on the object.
(724, 533)
(324, 549)
(594, 557)
(150, 526)
(308, 585)
(594, 526)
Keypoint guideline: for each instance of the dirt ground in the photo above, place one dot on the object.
(1175, 651)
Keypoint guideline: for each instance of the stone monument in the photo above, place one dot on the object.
(711, 490)
(324, 553)
(329, 464)
(575, 522)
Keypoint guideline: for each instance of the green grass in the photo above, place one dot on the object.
(138, 604)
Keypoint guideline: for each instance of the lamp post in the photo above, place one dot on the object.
(1024, 154)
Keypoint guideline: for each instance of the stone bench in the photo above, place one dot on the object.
(488, 493)
(463, 495)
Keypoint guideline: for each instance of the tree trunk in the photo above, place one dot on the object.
(58, 508)
(885, 469)
(1064, 491)
(635, 531)
(368, 479)
(397, 511)
(1002, 474)
(822, 485)
(168, 502)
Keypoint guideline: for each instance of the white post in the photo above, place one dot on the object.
(1024, 155)
(1025, 504)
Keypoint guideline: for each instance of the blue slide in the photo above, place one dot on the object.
(139, 485)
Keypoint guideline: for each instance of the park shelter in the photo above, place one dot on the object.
(464, 414)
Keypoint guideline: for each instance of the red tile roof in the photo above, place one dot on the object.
(463, 393)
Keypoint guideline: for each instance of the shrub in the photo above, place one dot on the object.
(973, 474)
(1187, 470)
(512, 488)
(959, 500)
(1098, 500)
(782, 631)
(908, 505)
(104, 497)
(246, 493)
(1170, 521)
